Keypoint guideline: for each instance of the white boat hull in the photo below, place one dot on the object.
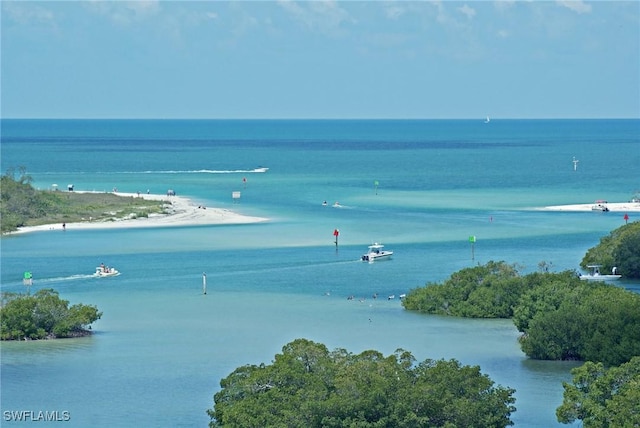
(371, 257)
(600, 277)
(595, 275)
(376, 252)
(104, 272)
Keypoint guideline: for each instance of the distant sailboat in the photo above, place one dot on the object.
(487, 120)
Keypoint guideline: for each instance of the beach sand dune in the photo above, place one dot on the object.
(181, 212)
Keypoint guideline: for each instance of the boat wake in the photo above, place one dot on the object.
(204, 171)
(343, 207)
(62, 278)
(44, 282)
(284, 267)
(186, 171)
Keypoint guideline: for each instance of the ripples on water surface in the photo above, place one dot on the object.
(161, 347)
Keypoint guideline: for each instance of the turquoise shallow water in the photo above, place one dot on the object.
(161, 347)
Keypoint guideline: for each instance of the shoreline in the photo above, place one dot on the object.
(182, 212)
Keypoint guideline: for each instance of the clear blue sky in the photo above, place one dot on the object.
(320, 59)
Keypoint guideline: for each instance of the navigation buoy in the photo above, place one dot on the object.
(204, 283)
(472, 240)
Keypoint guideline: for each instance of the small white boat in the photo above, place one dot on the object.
(600, 205)
(376, 252)
(595, 275)
(103, 271)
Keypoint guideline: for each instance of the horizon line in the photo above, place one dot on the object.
(320, 119)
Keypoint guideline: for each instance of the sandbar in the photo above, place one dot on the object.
(181, 211)
(613, 207)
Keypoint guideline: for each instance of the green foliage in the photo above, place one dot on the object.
(309, 386)
(621, 248)
(19, 200)
(627, 252)
(43, 315)
(22, 205)
(560, 316)
(603, 398)
(487, 291)
(578, 320)
(542, 293)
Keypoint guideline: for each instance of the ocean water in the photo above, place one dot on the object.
(161, 348)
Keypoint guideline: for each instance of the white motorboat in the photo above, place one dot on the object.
(376, 252)
(600, 205)
(595, 275)
(103, 271)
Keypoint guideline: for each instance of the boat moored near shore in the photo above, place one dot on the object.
(600, 205)
(595, 275)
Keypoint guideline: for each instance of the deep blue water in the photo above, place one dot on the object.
(161, 347)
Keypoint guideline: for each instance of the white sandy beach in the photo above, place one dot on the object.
(622, 207)
(181, 212)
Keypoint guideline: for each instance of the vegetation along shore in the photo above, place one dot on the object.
(559, 317)
(25, 209)
(22, 205)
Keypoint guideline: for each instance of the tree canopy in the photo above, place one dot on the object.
(601, 397)
(485, 291)
(579, 320)
(560, 316)
(22, 205)
(20, 200)
(621, 248)
(309, 386)
(43, 315)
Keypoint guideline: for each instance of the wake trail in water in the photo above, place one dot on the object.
(66, 278)
(41, 281)
(63, 278)
(187, 171)
(288, 267)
